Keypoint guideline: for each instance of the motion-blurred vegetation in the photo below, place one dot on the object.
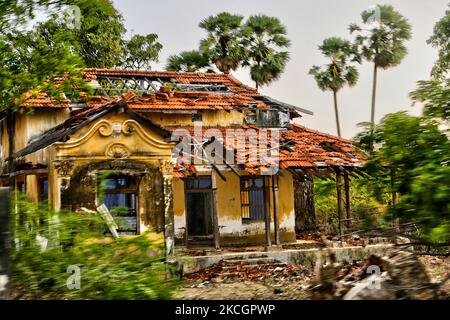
(46, 243)
(408, 155)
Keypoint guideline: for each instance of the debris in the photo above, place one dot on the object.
(399, 275)
(250, 269)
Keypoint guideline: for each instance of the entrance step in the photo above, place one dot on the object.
(249, 261)
(272, 265)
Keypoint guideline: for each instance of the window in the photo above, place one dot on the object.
(120, 197)
(43, 189)
(273, 118)
(252, 198)
(199, 183)
(20, 186)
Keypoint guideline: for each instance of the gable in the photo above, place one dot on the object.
(115, 136)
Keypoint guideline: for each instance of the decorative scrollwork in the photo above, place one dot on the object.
(106, 129)
(128, 127)
(117, 151)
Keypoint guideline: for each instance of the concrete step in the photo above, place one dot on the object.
(264, 260)
(256, 266)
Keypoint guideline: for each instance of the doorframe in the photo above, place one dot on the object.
(200, 190)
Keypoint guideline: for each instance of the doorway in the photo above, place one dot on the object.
(199, 209)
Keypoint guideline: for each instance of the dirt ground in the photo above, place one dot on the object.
(438, 268)
(292, 286)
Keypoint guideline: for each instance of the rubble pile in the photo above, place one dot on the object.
(249, 269)
(398, 275)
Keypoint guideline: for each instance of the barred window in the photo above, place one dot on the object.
(252, 198)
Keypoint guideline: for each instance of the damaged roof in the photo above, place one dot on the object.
(168, 90)
(299, 148)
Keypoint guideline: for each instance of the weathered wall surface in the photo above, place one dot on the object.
(114, 144)
(232, 229)
(179, 209)
(209, 118)
(31, 125)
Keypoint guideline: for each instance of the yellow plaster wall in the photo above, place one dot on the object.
(209, 118)
(286, 201)
(93, 141)
(229, 197)
(179, 208)
(233, 230)
(31, 125)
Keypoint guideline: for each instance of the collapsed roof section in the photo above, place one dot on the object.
(159, 91)
(297, 148)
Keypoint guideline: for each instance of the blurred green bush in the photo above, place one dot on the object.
(47, 243)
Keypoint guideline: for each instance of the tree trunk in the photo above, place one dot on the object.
(336, 112)
(374, 93)
(305, 213)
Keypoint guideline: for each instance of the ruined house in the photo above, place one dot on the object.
(119, 148)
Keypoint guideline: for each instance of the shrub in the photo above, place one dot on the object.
(46, 243)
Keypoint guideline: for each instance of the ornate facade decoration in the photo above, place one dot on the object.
(166, 167)
(64, 167)
(117, 151)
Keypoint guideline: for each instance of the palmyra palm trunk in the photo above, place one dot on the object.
(374, 94)
(336, 112)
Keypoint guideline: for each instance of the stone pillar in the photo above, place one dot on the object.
(339, 204)
(215, 211)
(267, 210)
(348, 208)
(169, 227)
(276, 222)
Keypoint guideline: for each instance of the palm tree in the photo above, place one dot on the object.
(222, 40)
(339, 72)
(264, 37)
(382, 41)
(189, 61)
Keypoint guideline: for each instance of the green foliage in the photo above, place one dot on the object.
(46, 243)
(189, 61)
(263, 38)
(222, 42)
(366, 207)
(382, 42)
(98, 41)
(339, 72)
(418, 153)
(30, 60)
(435, 96)
(140, 51)
(440, 40)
